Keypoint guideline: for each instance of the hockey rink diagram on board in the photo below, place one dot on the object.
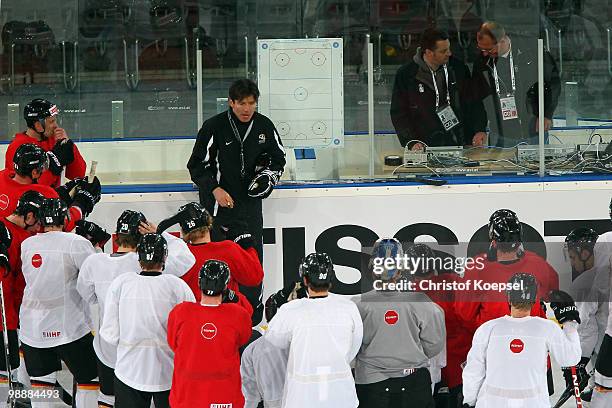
(301, 85)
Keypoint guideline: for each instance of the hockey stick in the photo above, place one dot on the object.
(576, 388)
(7, 353)
(573, 389)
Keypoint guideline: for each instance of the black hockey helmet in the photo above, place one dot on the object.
(29, 157)
(30, 202)
(386, 248)
(504, 226)
(523, 288)
(53, 212)
(580, 239)
(318, 268)
(423, 252)
(152, 248)
(192, 216)
(37, 111)
(129, 221)
(213, 277)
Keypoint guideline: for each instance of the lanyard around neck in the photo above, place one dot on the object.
(435, 84)
(512, 77)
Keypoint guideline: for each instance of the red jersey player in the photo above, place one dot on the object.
(214, 328)
(44, 131)
(29, 163)
(241, 256)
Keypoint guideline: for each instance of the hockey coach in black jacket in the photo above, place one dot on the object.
(237, 160)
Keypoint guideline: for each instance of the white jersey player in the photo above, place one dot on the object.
(589, 288)
(506, 366)
(99, 270)
(323, 334)
(55, 323)
(263, 367)
(602, 393)
(135, 320)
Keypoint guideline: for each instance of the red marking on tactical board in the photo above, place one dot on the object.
(37, 261)
(4, 201)
(208, 331)
(516, 346)
(391, 317)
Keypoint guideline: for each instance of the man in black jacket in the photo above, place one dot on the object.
(432, 103)
(237, 160)
(506, 74)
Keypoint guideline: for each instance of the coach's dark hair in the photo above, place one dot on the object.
(243, 88)
(430, 37)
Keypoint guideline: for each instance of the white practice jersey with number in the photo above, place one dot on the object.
(99, 270)
(323, 336)
(136, 321)
(506, 366)
(52, 312)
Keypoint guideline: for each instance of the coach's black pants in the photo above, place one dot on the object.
(412, 391)
(128, 397)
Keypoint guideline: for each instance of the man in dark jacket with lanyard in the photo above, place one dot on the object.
(237, 160)
(432, 103)
(506, 75)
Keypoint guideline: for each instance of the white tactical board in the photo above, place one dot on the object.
(301, 86)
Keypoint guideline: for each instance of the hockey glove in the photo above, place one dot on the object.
(581, 374)
(92, 232)
(168, 222)
(229, 296)
(61, 155)
(87, 195)
(64, 191)
(564, 307)
(64, 151)
(245, 241)
(238, 231)
(54, 164)
(263, 183)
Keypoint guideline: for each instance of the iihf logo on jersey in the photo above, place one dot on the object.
(262, 138)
